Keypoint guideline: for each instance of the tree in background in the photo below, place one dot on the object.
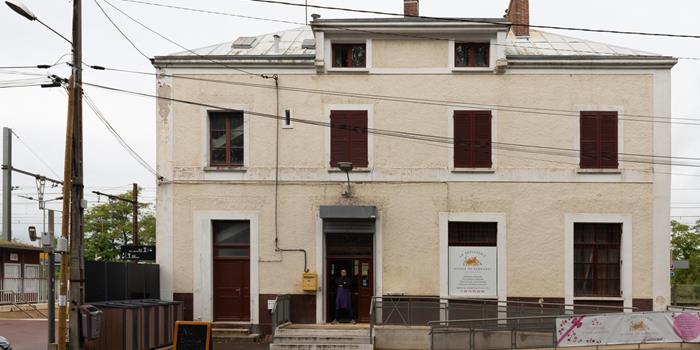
(685, 245)
(108, 227)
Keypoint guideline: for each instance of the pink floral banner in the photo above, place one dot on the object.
(628, 328)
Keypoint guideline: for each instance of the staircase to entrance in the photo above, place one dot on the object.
(322, 337)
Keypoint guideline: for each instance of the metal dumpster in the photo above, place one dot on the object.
(136, 324)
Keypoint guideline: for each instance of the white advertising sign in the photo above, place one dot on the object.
(472, 271)
(628, 328)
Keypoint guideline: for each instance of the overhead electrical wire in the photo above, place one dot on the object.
(120, 31)
(264, 76)
(424, 101)
(35, 154)
(537, 149)
(468, 20)
(414, 36)
(119, 138)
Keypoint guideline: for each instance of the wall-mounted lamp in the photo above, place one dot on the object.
(347, 168)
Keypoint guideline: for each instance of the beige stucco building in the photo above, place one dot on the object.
(466, 134)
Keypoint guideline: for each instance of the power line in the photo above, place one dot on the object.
(35, 154)
(119, 138)
(422, 101)
(466, 20)
(264, 76)
(415, 36)
(120, 31)
(398, 134)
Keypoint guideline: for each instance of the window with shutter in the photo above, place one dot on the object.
(349, 138)
(599, 139)
(472, 139)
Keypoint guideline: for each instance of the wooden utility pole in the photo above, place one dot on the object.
(77, 275)
(135, 214)
(67, 173)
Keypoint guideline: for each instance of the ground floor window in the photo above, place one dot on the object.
(472, 259)
(597, 260)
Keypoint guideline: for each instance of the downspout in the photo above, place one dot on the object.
(277, 174)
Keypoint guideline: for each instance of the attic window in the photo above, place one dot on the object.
(244, 42)
(349, 55)
(471, 54)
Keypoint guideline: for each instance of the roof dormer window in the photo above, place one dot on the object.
(471, 54)
(349, 55)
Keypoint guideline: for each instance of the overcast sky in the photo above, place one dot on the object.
(38, 115)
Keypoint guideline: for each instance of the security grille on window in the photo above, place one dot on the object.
(349, 138)
(598, 140)
(226, 138)
(349, 55)
(597, 259)
(472, 139)
(471, 54)
(472, 234)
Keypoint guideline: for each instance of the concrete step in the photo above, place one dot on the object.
(311, 332)
(321, 347)
(321, 339)
(231, 325)
(230, 331)
(236, 338)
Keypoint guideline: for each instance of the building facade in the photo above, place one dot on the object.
(489, 160)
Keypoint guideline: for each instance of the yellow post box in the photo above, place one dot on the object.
(309, 282)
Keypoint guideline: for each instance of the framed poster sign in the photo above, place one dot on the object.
(192, 335)
(472, 271)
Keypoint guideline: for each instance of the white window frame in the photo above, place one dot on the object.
(202, 262)
(620, 137)
(328, 46)
(206, 144)
(445, 218)
(451, 135)
(370, 136)
(493, 54)
(625, 255)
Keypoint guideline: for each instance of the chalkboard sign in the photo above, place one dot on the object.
(192, 335)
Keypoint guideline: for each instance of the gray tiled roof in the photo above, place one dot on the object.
(295, 42)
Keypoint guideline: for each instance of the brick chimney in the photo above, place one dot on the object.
(410, 8)
(519, 13)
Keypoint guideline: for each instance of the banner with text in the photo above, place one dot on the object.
(628, 328)
(472, 271)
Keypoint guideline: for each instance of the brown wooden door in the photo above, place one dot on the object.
(231, 270)
(361, 271)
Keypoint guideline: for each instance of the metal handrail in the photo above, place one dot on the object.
(371, 320)
(507, 302)
(280, 312)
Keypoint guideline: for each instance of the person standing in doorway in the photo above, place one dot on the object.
(343, 295)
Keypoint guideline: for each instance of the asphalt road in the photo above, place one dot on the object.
(25, 334)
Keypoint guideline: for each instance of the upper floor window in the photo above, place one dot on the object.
(472, 139)
(349, 55)
(349, 138)
(598, 140)
(471, 54)
(226, 138)
(597, 259)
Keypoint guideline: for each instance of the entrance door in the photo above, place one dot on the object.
(352, 253)
(231, 252)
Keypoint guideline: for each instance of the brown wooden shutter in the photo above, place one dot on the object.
(481, 139)
(462, 156)
(608, 140)
(340, 138)
(598, 140)
(358, 139)
(589, 140)
(472, 139)
(349, 138)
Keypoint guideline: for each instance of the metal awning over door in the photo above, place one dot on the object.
(348, 219)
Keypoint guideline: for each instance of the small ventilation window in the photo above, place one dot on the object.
(288, 119)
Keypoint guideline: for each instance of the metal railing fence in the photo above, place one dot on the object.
(23, 291)
(281, 311)
(418, 311)
(685, 294)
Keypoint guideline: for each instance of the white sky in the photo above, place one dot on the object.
(38, 115)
